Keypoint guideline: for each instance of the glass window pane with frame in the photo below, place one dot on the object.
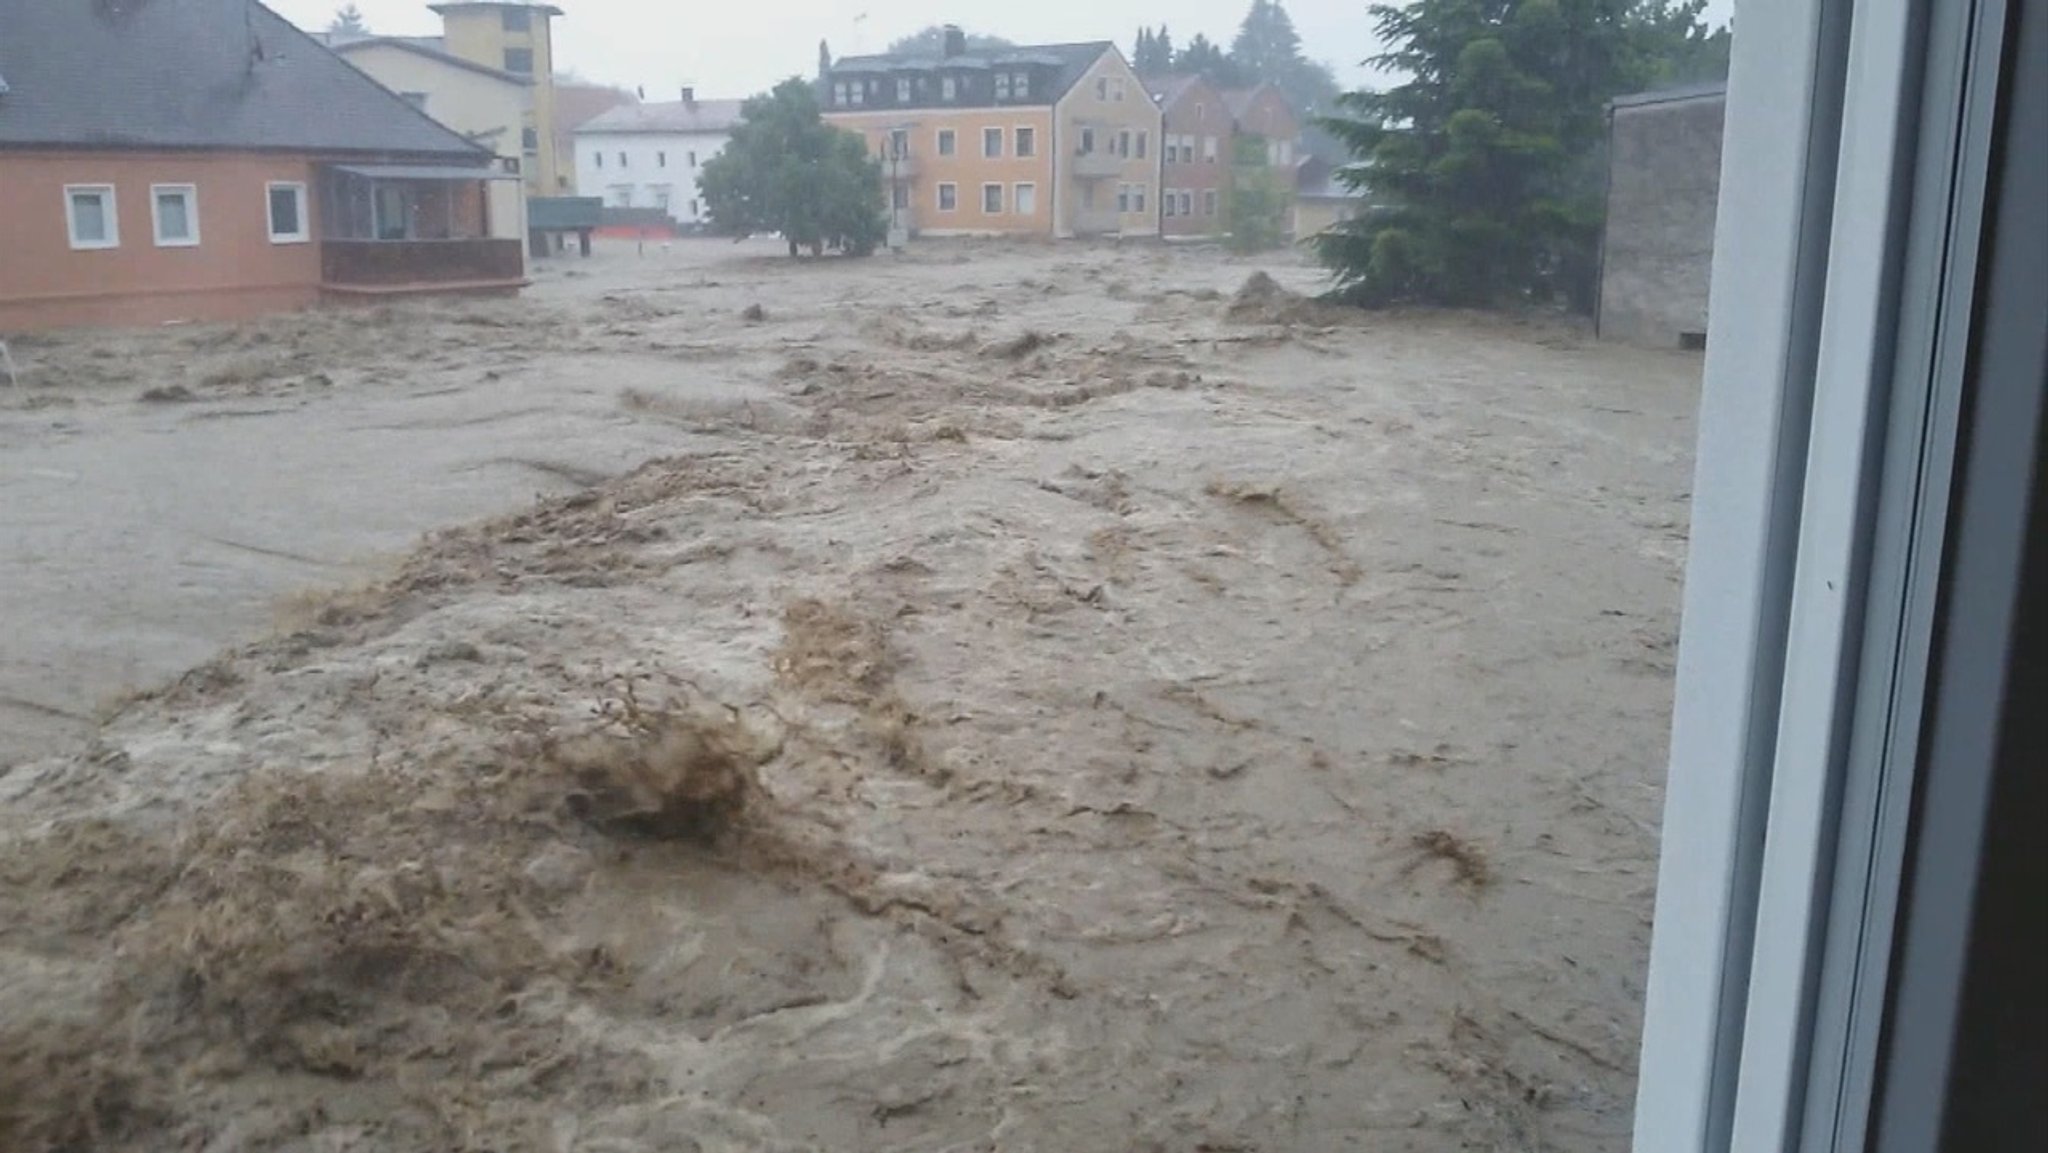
(174, 215)
(287, 207)
(91, 216)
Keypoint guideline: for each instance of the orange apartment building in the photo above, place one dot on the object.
(204, 160)
(1055, 140)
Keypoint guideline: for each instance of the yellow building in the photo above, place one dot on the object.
(516, 38)
(1053, 140)
(487, 106)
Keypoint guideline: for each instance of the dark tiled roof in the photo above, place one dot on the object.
(672, 116)
(433, 51)
(215, 74)
(1714, 90)
(1071, 60)
(1167, 90)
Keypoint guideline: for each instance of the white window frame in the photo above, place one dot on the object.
(156, 221)
(1139, 193)
(1169, 203)
(997, 188)
(304, 235)
(939, 196)
(998, 136)
(1209, 201)
(110, 212)
(1017, 192)
(1015, 138)
(1845, 259)
(949, 88)
(1208, 150)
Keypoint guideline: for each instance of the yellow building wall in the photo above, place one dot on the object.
(477, 33)
(483, 108)
(1089, 205)
(967, 170)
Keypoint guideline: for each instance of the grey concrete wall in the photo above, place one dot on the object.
(1663, 183)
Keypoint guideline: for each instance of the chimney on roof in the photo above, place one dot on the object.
(956, 41)
(689, 95)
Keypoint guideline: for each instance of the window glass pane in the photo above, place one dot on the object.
(173, 216)
(519, 60)
(89, 216)
(284, 212)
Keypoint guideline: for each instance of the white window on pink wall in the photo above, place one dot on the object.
(287, 205)
(91, 217)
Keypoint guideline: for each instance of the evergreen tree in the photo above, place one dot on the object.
(1162, 47)
(1154, 51)
(931, 41)
(1483, 167)
(348, 20)
(1268, 48)
(1205, 59)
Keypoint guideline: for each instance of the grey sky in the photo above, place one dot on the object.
(739, 48)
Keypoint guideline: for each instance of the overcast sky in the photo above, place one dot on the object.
(734, 49)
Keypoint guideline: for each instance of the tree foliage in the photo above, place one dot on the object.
(785, 170)
(1203, 58)
(1268, 48)
(1484, 166)
(931, 41)
(1153, 52)
(349, 19)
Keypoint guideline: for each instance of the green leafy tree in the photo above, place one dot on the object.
(348, 19)
(931, 41)
(1483, 166)
(1258, 200)
(785, 170)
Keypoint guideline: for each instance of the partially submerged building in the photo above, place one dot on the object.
(1663, 183)
(203, 159)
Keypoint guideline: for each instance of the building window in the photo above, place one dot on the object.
(899, 143)
(90, 214)
(1172, 146)
(992, 199)
(1167, 203)
(662, 193)
(1138, 192)
(992, 142)
(599, 157)
(1123, 144)
(1201, 113)
(949, 88)
(622, 195)
(900, 197)
(1208, 149)
(1123, 198)
(859, 92)
(1002, 86)
(519, 60)
(1027, 142)
(288, 213)
(949, 197)
(622, 158)
(1143, 137)
(839, 94)
(529, 143)
(416, 99)
(1208, 202)
(1102, 87)
(1024, 199)
(660, 159)
(1022, 86)
(1087, 142)
(946, 142)
(1187, 203)
(903, 89)
(517, 19)
(174, 213)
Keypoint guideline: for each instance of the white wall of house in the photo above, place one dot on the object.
(647, 169)
(489, 110)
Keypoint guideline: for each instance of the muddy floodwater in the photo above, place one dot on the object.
(1002, 697)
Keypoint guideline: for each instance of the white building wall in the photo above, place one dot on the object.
(636, 169)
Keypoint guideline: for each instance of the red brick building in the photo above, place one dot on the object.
(1194, 156)
(1213, 139)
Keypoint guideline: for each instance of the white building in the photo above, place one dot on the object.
(650, 155)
